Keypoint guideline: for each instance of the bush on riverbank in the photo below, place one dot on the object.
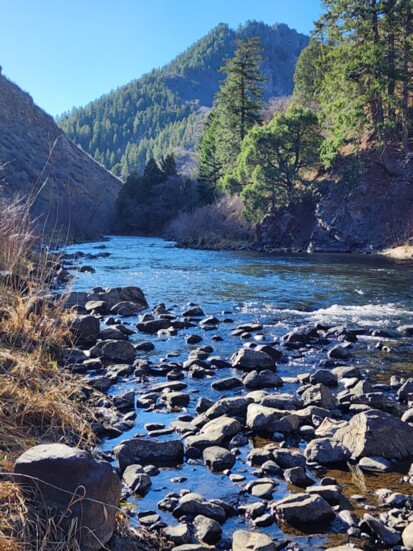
(217, 226)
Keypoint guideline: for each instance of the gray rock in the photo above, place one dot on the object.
(303, 509)
(177, 534)
(249, 359)
(323, 376)
(279, 401)
(177, 399)
(288, 458)
(115, 295)
(326, 451)
(149, 452)
(319, 395)
(405, 390)
(262, 379)
(298, 477)
(207, 530)
(242, 540)
(121, 351)
(331, 493)
(379, 464)
(194, 504)
(376, 433)
(214, 433)
(153, 326)
(387, 536)
(126, 308)
(137, 480)
(227, 383)
(262, 419)
(218, 459)
(64, 471)
(236, 406)
(85, 329)
(339, 353)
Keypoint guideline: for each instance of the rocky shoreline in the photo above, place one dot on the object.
(271, 436)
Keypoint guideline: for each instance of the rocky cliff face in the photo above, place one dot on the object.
(374, 214)
(73, 196)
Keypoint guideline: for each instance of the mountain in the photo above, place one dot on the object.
(164, 110)
(73, 196)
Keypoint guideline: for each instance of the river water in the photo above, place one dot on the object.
(279, 291)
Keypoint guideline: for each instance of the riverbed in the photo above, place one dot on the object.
(279, 292)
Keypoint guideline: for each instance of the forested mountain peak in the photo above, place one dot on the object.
(163, 110)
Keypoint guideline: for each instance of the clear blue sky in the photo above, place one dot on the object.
(69, 52)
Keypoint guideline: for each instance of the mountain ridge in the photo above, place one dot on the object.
(162, 111)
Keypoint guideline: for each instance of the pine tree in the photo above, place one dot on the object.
(168, 165)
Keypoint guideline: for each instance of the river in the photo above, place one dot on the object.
(279, 291)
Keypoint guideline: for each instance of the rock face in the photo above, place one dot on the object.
(376, 433)
(76, 196)
(374, 214)
(68, 471)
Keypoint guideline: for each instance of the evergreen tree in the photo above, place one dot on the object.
(168, 165)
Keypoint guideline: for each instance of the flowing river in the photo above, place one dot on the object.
(278, 291)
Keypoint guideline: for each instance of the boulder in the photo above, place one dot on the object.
(303, 509)
(263, 419)
(262, 379)
(85, 329)
(194, 504)
(218, 459)
(137, 480)
(249, 359)
(62, 473)
(207, 530)
(149, 452)
(326, 451)
(126, 308)
(118, 351)
(376, 433)
(319, 395)
(235, 406)
(115, 295)
(177, 534)
(153, 326)
(242, 540)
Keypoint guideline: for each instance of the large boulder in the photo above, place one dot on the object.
(303, 509)
(149, 452)
(66, 478)
(376, 433)
(249, 359)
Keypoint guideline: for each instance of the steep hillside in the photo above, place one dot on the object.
(74, 197)
(162, 111)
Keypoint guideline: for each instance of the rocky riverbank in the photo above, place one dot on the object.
(285, 442)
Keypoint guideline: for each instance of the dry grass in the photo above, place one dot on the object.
(39, 402)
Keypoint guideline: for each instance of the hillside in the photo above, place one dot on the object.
(74, 197)
(162, 111)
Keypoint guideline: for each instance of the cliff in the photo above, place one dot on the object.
(369, 215)
(73, 196)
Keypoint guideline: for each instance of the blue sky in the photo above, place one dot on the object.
(69, 52)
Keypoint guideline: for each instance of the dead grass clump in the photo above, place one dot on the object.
(39, 402)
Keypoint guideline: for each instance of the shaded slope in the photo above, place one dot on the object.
(75, 196)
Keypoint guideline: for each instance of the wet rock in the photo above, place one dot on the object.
(253, 541)
(405, 390)
(236, 406)
(279, 401)
(253, 510)
(331, 493)
(303, 509)
(325, 451)
(339, 353)
(386, 536)
(263, 490)
(121, 351)
(111, 333)
(262, 419)
(137, 480)
(153, 326)
(125, 402)
(172, 386)
(288, 458)
(203, 404)
(85, 329)
(194, 504)
(115, 295)
(64, 470)
(298, 477)
(207, 530)
(214, 433)
(125, 308)
(177, 534)
(319, 395)
(262, 379)
(323, 376)
(375, 464)
(249, 359)
(144, 346)
(344, 371)
(97, 306)
(142, 451)
(258, 456)
(194, 312)
(177, 399)
(194, 339)
(376, 433)
(227, 383)
(218, 459)
(406, 330)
